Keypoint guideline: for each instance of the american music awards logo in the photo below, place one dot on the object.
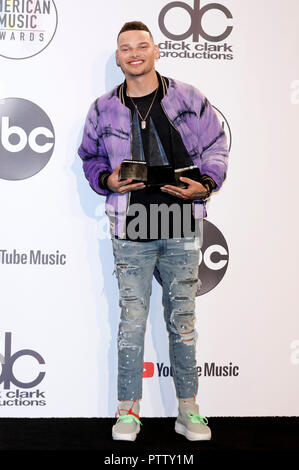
(196, 32)
(26, 27)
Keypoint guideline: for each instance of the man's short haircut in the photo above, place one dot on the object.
(135, 26)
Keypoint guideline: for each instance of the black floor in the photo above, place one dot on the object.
(157, 442)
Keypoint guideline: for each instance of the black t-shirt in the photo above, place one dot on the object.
(150, 196)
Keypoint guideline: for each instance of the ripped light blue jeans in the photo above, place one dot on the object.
(177, 261)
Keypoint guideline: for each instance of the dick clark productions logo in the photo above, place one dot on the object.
(8, 360)
(202, 23)
(196, 16)
(26, 27)
(26, 139)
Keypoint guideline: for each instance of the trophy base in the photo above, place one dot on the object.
(160, 175)
(191, 172)
(133, 169)
(138, 171)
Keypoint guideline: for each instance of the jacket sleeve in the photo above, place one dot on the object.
(93, 151)
(213, 144)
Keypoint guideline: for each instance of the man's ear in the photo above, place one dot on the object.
(116, 58)
(157, 52)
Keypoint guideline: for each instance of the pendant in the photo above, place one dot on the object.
(143, 124)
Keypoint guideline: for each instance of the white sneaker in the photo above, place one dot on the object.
(128, 424)
(189, 423)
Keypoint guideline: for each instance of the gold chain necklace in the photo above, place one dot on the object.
(143, 119)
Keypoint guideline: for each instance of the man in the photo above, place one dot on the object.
(168, 125)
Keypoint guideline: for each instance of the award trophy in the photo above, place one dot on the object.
(159, 171)
(136, 168)
(156, 171)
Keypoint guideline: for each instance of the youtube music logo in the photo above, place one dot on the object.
(207, 369)
(162, 370)
(148, 369)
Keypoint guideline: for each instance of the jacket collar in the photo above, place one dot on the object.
(163, 87)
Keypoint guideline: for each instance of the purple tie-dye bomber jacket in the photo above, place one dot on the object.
(106, 141)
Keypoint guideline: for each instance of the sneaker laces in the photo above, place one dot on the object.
(129, 416)
(129, 419)
(196, 418)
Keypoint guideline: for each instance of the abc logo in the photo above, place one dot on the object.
(8, 360)
(26, 139)
(213, 259)
(196, 15)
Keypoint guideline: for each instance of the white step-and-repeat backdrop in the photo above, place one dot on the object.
(59, 300)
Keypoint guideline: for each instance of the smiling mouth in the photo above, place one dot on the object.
(136, 62)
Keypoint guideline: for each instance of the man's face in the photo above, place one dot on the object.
(136, 53)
